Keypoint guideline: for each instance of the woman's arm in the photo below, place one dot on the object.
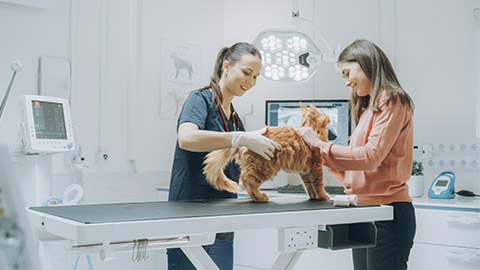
(383, 133)
(191, 138)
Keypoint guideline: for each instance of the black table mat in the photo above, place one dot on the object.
(122, 212)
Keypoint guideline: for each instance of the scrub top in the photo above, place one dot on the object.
(187, 181)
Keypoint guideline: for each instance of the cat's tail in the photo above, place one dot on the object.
(215, 162)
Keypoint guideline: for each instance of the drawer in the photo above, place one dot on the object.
(454, 228)
(427, 256)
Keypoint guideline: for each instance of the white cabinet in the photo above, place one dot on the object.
(446, 239)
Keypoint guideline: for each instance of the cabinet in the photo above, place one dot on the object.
(446, 239)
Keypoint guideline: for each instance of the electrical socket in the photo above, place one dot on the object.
(297, 238)
(101, 157)
(453, 163)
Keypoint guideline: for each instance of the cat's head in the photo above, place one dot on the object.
(316, 119)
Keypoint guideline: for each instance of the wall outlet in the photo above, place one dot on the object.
(297, 238)
(101, 158)
(460, 163)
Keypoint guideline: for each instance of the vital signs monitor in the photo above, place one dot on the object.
(46, 123)
(287, 112)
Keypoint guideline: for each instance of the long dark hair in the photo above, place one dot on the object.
(232, 55)
(378, 69)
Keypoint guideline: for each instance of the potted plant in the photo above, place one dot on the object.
(416, 181)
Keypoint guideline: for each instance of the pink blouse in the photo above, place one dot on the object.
(378, 162)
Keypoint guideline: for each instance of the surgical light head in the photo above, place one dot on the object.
(287, 55)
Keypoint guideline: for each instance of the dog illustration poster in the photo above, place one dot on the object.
(179, 75)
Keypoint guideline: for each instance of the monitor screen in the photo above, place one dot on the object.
(288, 113)
(49, 120)
(47, 124)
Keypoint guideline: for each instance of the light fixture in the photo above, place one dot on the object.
(290, 55)
(287, 55)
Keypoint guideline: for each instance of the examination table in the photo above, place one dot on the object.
(137, 227)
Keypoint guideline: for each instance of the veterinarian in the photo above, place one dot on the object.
(208, 122)
(377, 163)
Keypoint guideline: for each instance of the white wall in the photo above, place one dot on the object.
(431, 44)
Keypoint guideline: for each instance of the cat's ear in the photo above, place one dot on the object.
(303, 108)
(312, 107)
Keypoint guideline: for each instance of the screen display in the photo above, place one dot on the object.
(288, 113)
(49, 120)
(441, 183)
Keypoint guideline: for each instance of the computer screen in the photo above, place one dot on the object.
(288, 113)
(47, 124)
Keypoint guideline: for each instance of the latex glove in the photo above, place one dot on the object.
(255, 142)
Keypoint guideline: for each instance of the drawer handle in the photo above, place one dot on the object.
(463, 220)
(460, 256)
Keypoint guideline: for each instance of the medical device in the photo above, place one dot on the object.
(290, 55)
(46, 124)
(15, 66)
(16, 225)
(443, 186)
(288, 113)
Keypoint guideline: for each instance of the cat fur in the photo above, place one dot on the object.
(295, 156)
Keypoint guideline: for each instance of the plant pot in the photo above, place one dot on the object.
(416, 186)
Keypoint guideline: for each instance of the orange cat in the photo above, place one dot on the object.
(295, 156)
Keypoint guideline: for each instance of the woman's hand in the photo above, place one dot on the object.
(310, 137)
(256, 142)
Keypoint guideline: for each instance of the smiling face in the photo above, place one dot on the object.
(355, 78)
(242, 76)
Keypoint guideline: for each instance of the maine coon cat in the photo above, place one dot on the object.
(295, 156)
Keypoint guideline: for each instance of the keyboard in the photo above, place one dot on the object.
(291, 189)
(334, 190)
(301, 189)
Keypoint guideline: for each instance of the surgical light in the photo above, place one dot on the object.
(290, 55)
(287, 55)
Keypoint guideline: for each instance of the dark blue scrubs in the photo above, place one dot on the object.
(187, 181)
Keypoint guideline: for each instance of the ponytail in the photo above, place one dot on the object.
(232, 55)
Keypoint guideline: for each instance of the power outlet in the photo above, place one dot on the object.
(461, 163)
(101, 158)
(297, 238)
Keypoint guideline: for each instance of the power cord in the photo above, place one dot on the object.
(467, 193)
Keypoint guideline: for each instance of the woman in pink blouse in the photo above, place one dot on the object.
(378, 162)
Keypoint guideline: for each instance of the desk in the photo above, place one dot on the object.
(189, 224)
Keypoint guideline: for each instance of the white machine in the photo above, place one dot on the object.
(46, 125)
(15, 214)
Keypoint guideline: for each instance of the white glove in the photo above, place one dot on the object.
(255, 142)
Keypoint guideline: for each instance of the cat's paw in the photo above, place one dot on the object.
(261, 198)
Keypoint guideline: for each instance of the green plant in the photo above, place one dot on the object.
(417, 168)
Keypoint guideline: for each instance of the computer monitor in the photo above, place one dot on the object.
(288, 113)
(46, 123)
